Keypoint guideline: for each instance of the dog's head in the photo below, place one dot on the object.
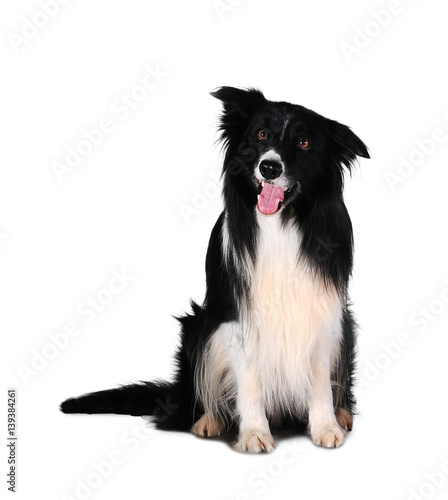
(278, 153)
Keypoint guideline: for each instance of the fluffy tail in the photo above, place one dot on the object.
(146, 398)
(170, 405)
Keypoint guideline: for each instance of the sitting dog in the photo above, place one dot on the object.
(274, 341)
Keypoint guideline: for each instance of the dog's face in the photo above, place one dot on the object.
(279, 152)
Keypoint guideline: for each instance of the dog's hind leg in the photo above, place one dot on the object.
(209, 425)
(342, 374)
(344, 418)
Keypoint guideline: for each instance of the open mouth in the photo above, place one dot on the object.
(271, 198)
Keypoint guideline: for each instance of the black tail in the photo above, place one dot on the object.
(169, 405)
(135, 399)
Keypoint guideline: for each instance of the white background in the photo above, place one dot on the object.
(121, 208)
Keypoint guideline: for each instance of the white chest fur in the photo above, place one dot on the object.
(291, 316)
(290, 319)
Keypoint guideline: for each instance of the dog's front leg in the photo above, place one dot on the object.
(323, 425)
(254, 433)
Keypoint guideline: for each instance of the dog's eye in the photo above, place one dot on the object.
(262, 135)
(304, 143)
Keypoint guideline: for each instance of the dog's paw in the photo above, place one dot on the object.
(330, 436)
(208, 426)
(255, 442)
(345, 419)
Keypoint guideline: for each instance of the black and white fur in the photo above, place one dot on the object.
(274, 341)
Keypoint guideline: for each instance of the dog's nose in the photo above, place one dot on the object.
(270, 169)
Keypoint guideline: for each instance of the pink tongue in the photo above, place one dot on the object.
(269, 199)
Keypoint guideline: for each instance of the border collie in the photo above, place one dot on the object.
(274, 342)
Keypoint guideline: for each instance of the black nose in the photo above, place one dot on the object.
(270, 169)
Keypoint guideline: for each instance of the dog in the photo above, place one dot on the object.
(274, 342)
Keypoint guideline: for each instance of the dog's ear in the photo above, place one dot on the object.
(241, 100)
(239, 106)
(346, 144)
